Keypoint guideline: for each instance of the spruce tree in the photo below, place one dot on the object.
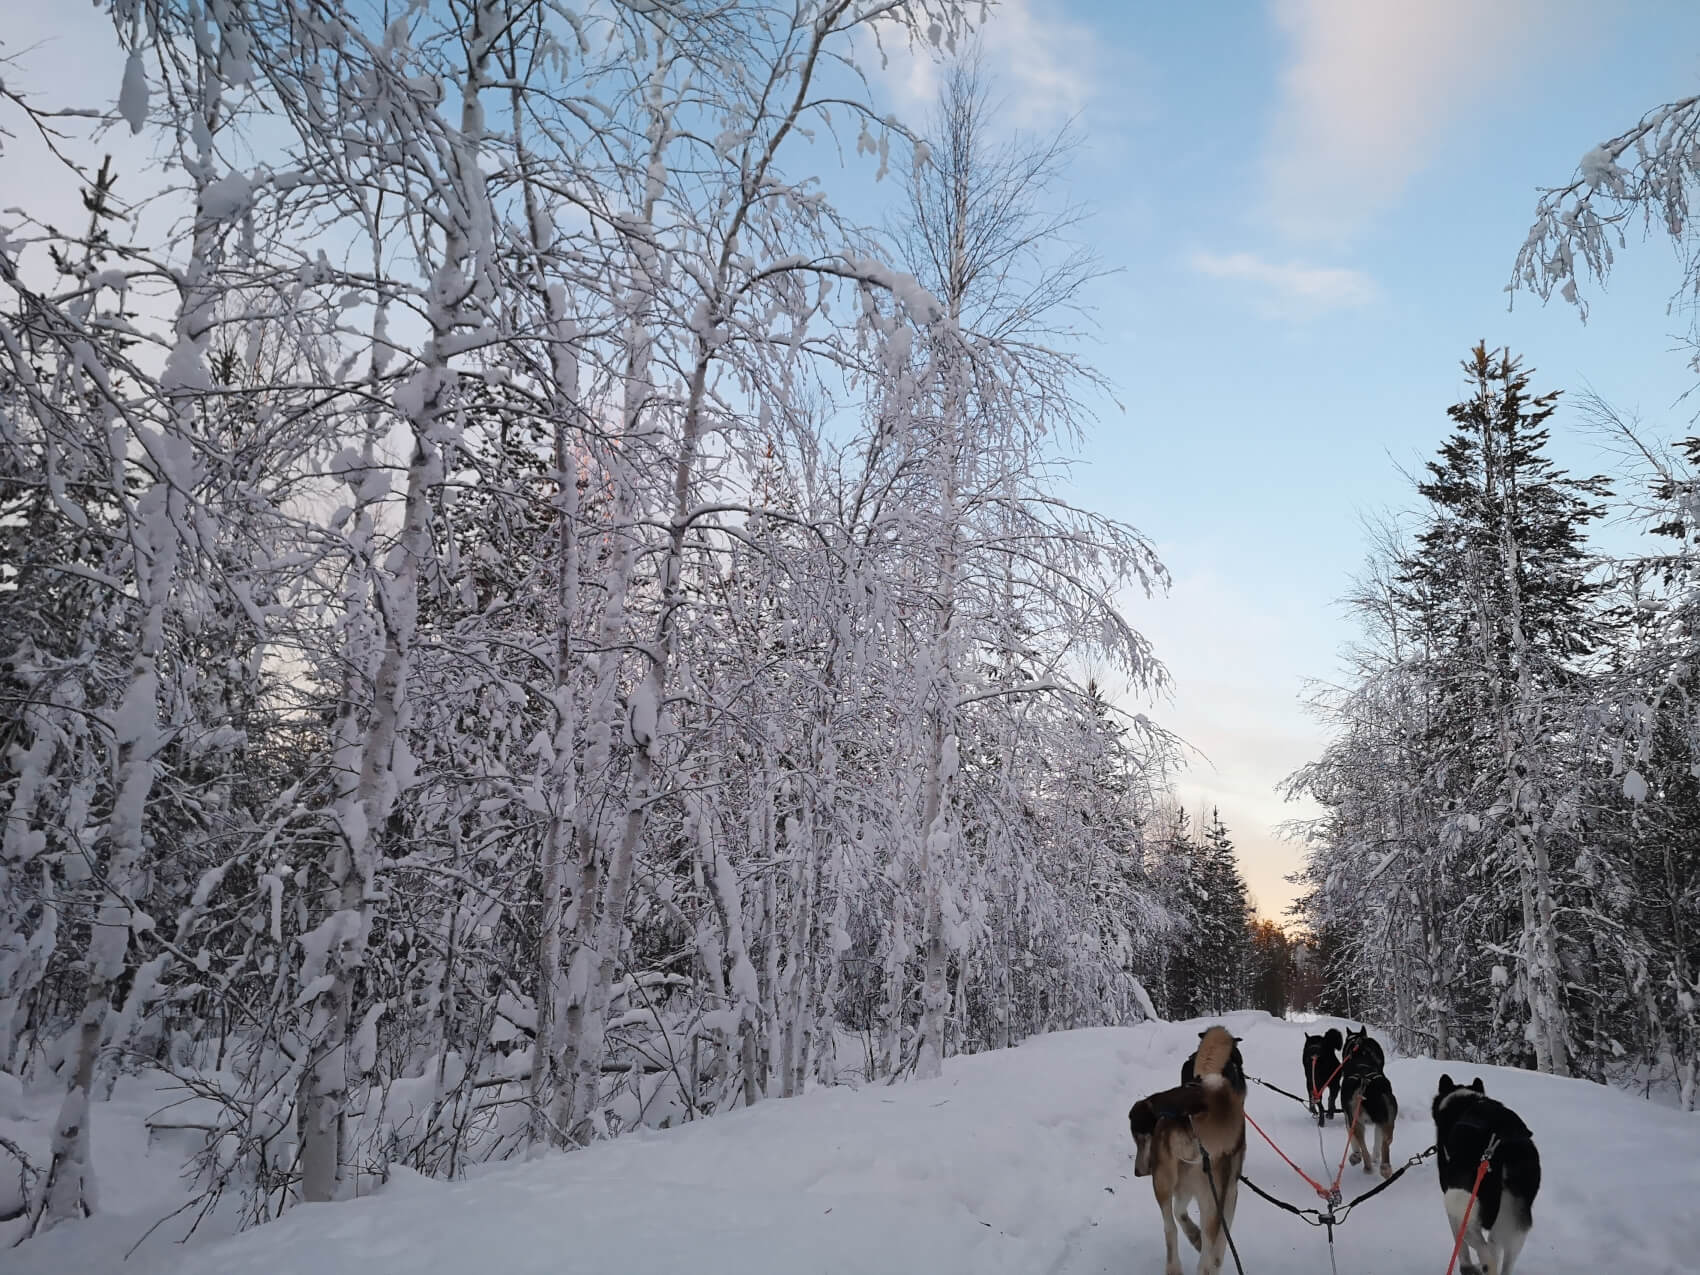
(1186, 969)
(1227, 920)
(1500, 584)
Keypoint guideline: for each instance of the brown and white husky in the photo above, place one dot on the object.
(1173, 1134)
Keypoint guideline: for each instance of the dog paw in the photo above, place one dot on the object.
(1354, 1158)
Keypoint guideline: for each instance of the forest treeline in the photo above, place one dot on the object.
(1508, 866)
(521, 619)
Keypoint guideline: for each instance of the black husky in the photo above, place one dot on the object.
(1367, 1096)
(1467, 1123)
(1322, 1072)
(1233, 1070)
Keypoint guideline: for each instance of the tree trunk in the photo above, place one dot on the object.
(562, 798)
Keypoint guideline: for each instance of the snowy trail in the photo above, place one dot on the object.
(1015, 1162)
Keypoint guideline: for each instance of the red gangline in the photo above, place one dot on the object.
(1316, 1094)
(1341, 1171)
(1316, 1186)
(1327, 1193)
(1457, 1244)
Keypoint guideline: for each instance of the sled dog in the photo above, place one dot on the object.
(1322, 1071)
(1466, 1124)
(1234, 1069)
(1367, 1097)
(1175, 1131)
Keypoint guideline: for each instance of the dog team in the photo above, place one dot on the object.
(1190, 1141)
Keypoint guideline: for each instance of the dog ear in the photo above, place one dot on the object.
(1477, 1085)
(1446, 1083)
(1332, 1037)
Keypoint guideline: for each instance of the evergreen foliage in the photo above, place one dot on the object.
(1497, 872)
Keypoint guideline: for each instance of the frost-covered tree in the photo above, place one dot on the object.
(1646, 174)
(525, 620)
(1012, 586)
(1502, 573)
(1453, 781)
(1208, 967)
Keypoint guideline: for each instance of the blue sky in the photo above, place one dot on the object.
(1315, 206)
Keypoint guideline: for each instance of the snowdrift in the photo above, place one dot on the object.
(1017, 1162)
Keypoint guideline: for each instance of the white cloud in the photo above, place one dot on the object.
(1044, 66)
(1374, 88)
(1290, 289)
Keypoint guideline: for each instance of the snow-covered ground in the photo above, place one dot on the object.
(1017, 1162)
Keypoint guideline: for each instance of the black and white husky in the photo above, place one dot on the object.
(1322, 1072)
(1367, 1096)
(1468, 1125)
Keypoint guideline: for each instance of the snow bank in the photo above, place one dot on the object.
(139, 1174)
(1013, 1162)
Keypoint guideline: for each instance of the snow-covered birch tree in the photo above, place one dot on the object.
(526, 620)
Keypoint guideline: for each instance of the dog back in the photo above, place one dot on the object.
(1220, 1126)
(1153, 1118)
(1209, 1105)
(1362, 1052)
(1321, 1058)
(1466, 1121)
(1380, 1106)
(1361, 1076)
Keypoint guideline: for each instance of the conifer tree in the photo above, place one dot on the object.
(1446, 871)
(1226, 924)
(1502, 576)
